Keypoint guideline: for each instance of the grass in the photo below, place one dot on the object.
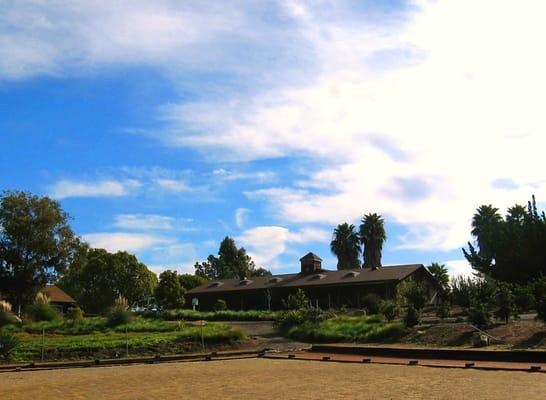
(92, 337)
(227, 315)
(346, 329)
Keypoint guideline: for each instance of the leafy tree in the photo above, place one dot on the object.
(372, 236)
(443, 309)
(440, 272)
(389, 309)
(36, 245)
(256, 272)
(413, 292)
(509, 249)
(170, 293)
(189, 281)
(371, 302)
(345, 245)
(297, 300)
(479, 314)
(232, 262)
(505, 302)
(523, 297)
(412, 317)
(99, 277)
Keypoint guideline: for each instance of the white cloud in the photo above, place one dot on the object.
(103, 188)
(256, 176)
(123, 241)
(144, 222)
(417, 121)
(266, 243)
(173, 185)
(240, 216)
(459, 268)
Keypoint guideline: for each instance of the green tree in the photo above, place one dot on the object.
(505, 301)
(372, 236)
(36, 245)
(189, 281)
(232, 262)
(440, 272)
(169, 292)
(100, 277)
(345, 245)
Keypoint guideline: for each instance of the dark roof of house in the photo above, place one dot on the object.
(57, 295)
(319, 278)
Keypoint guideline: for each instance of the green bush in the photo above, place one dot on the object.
(297, 301)
(6, 317)
(74, 314)
(442, 310)
(478, 314)
(290, 318)
(505, 302)
(118, 313)
(371, 302)
(227, 315)
(8, 343)
(414, 294)
(220, 305)
(41, 310)
(389, 309)
(412, 317)
(523, 297)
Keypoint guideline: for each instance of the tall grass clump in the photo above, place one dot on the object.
(119, 313)
(8, 343)
(41, 310)
(6, 317)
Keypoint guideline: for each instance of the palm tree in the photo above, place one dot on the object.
(372, 236)
(439, 271)
(485, 227)
(346, 246)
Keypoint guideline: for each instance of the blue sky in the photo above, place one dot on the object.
(163, 126)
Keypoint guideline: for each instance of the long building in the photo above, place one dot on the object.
(325, 288)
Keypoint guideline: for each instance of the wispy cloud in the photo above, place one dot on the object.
(267, 243)
(173, 185)
(103, 188)
(124, 241)
(240, 216)
(257, 176)
(144, 222)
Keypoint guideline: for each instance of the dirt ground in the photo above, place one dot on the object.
(270, 379)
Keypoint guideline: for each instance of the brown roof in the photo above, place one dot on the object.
(57, 295)
(320, 278)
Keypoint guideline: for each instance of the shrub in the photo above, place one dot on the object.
(118, 313)
(41, 310)
(523, 298)
(467, 291)
(6, 317)
(414, 294)
(8, 343)
(290, 318)
(75, 314)
(505, 302)
(220, 305)
(297, 301)
(371, 302)
(389, 309)
(478, 314)
(412, 317)
(442, 311)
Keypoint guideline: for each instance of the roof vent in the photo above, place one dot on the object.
(318, 277)
(245, 282)
(275, 280)
(215, 284)
(351, 274)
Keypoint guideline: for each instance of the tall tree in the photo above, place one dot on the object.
(189, 281)
(100, 277)
(510, 249)
(372, 236)
(232, 262)
(169, 292)
(36, 244)
(345, 245)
